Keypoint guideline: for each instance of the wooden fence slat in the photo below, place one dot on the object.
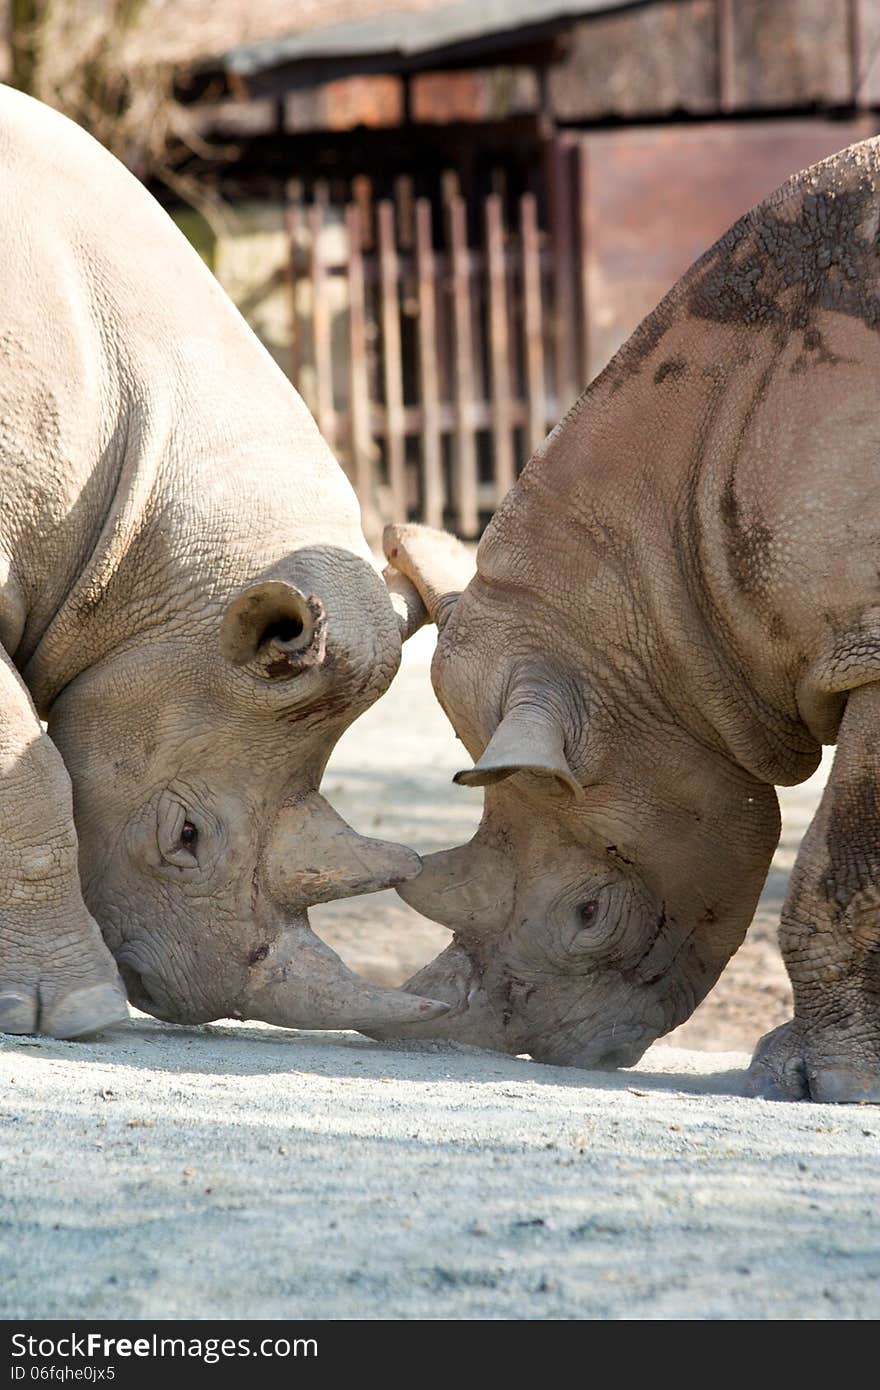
(450, 185)
(582, 194)
(404, 203)
(559, 182)
(432, 476)
(726, 55)
(533, 328)
(362, 196)
(324, 413)
(359, 410)
(292, 223)
(465, 455)
(389, 272)
(499, 347)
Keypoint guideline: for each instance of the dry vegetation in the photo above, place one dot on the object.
(95, 60)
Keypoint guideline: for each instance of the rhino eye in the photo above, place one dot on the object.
(178, 836)
(587, 913)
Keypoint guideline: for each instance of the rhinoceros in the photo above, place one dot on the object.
(188, 602)
(676, 605)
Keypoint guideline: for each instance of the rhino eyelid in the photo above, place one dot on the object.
(178, 836)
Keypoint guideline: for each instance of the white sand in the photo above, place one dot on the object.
(245, 1172)
(242, 1172)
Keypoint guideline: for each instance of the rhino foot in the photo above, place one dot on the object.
(63, 1001)
(789, 1065)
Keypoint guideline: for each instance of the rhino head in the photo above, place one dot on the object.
(195, 754)
(617, 866)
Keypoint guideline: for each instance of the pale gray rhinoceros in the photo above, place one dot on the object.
(675, 607)
(186, 597)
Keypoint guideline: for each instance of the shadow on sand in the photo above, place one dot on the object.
(220, 1049)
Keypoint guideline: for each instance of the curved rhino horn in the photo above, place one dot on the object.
(469, 888)
(302, 983)
(530, 738)
(436, 564)
(406, 602)
(315, 857)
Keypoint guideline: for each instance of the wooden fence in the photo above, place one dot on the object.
(436, 342)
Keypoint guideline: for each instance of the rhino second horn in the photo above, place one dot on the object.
(528, 739)
(316, 857)
(302, 983)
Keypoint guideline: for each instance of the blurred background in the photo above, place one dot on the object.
(442, 219)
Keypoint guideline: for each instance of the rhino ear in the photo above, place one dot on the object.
(530, 738)
(274, 629)
(437, 564)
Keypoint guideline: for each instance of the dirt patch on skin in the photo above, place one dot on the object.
(391, 776)
(780, 265)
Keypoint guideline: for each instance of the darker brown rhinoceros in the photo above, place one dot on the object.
(186, 597)
(674, 608)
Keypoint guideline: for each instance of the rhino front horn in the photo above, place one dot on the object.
(301, 983)
(468, 889)
(438, 567)
(315, 857)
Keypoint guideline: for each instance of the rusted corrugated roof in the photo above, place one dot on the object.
(405, 36)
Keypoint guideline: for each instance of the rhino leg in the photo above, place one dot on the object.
(56, 974)
(830, 933)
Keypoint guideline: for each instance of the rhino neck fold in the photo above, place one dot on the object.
(85, 628)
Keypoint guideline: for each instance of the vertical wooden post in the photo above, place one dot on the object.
(464, 471)
(856, 46)
(404, 202)
(432, 478)
(559, 185)
(582, 193)
(389, 275)
(292, 224)
(499, 348)
(726, 55)
(449, 186)
(362, 196)
(324, 412)
(533, 328)
(359, 395)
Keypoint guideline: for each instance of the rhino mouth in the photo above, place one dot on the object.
(593, 1056)
(144, 994)
(137, 992)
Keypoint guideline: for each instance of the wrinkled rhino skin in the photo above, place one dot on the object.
(674, 608)
(186, 597)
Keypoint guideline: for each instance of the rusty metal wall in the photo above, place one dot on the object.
(659, 197)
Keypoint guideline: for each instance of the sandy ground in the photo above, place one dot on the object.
(239, 1172)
